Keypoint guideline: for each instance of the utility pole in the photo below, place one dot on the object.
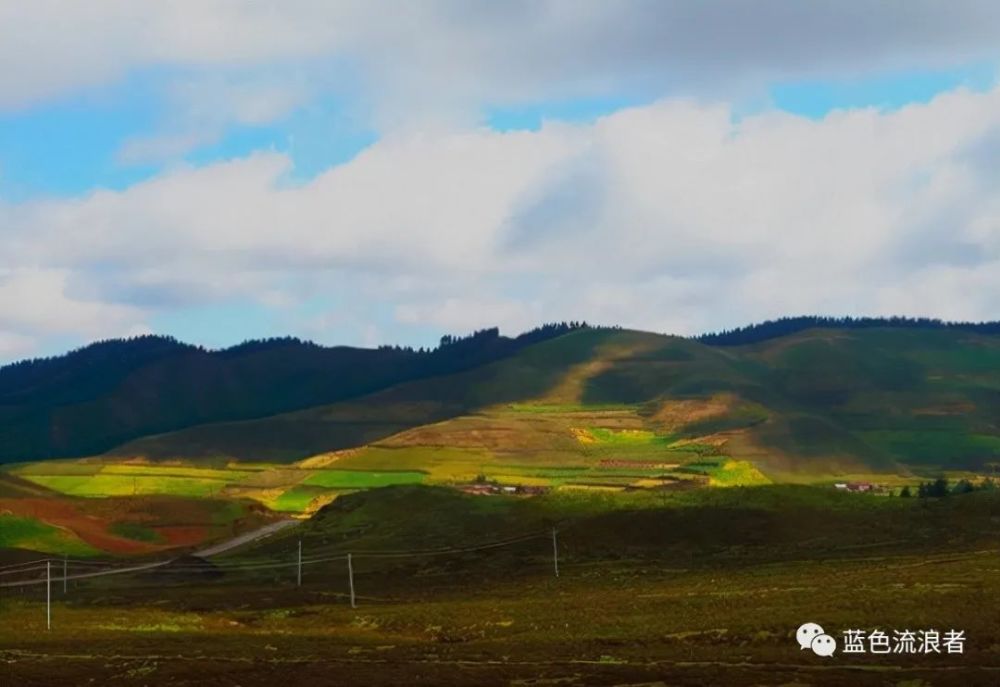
(48, 595)
(350, 579)
(555, 552)
(64, 574)
(299, 583)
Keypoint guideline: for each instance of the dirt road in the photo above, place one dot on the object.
(245, 538)
(38, 576)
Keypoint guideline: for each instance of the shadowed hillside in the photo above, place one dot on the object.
(591, 406)
(816, 402)
(97, 397)
(292, 436)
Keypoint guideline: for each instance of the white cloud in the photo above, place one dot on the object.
(672, 217)
(39, 302)
(465, 313)
(441, 57)
(52, 47)
(16, 346)
(164, 146)
(965, 293)
(201, 106)
(437, 65)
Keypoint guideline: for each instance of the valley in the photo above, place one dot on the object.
(591, 409)
(687, 495)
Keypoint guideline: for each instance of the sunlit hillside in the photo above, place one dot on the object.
(600, 409)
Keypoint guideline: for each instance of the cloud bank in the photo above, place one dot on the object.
(448, 55)
(679, 216)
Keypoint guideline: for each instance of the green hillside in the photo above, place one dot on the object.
(97, 397)
(688, 528)
(602, 409)
(820, 401)
(293, 436)
(18, 532)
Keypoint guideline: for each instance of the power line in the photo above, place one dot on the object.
(41, 561)
(165, 567)
(24, 570)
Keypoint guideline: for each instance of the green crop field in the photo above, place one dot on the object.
(129, 485)
(227, 474)
(63, 468)
(298, 499)
(727, 473)
(567, 408)
(283, 488)
(35, 535)
(95, 480)
(356, 479)
(621, 437)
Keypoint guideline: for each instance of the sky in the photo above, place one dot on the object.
(369, 172)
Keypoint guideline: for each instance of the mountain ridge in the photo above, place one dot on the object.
(877, 400)
(97, 397)
(859, 397)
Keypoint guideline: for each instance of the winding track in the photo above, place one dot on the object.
(214, 550)
(246, 537)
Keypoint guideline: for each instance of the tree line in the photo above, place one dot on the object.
(132, 351)
(773, 329)
(941, 487)
(97, 397)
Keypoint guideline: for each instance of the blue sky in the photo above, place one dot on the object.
(290, 183)
(73, 145)
(887, 91)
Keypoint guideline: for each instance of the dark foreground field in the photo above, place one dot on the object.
(677, 593)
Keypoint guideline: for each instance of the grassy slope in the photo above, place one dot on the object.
(698, 587)
(19, 532)
(817, 405)
(617, 622)
(50, 522)
(97, 397)
(695, 527)
(12, 486)
(294, 436)
(934, 394)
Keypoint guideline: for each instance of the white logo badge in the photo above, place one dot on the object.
(812, 636)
